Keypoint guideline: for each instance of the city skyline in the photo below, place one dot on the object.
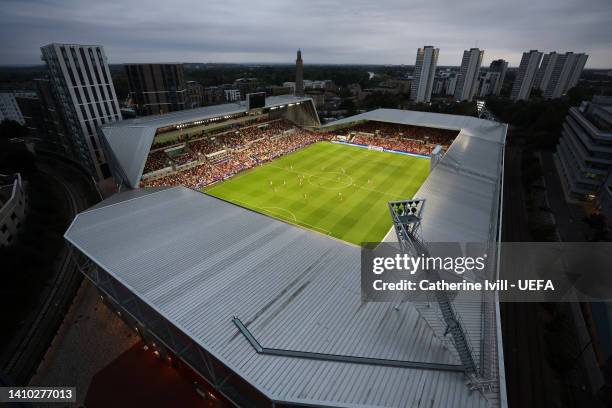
(385, 34)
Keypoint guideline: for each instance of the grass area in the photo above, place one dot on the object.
(337, 190)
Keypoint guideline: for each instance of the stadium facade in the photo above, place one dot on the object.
(270, 314)
(129, 142)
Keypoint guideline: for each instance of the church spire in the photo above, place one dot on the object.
(299, 74)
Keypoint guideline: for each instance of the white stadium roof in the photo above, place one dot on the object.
(198, 261)
(129, 141)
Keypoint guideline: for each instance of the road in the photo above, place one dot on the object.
(527, 372)
(25, 352)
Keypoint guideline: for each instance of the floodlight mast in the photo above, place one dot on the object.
(407, 216)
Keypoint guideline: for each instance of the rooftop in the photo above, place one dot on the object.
(198, 261)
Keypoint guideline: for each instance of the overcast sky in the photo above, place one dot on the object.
(328, 31)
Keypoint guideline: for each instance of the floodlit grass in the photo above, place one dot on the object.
(337, 190)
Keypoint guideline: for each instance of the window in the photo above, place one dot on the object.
(71, 74)
(77, 92)
(13, 216)
(4, 228)
(93, 64)
(95, 93)
(86, 65)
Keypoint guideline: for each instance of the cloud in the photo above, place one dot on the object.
(356, 31)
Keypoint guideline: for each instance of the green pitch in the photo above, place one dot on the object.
(338, 190)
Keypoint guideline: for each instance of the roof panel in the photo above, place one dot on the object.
(295, 289)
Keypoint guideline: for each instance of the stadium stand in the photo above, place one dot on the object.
(406, 138)
(247, 148)
(255, 142)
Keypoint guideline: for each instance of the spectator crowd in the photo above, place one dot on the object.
(248, 149)
(407, 138)
(259, 142)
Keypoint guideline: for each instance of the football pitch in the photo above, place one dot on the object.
(335, 189)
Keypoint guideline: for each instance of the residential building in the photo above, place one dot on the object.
(52, 126)
(30, 108)
(450, 84)
(9, 110)
(232, 95)
(584, 152)
(83, 88)
(213, 95)
(157, 88)
(247, 86)
(195, 91)
(274, 90)
(467, 80)
(500, 66)
(13, 207)
(438, 86)
(424, 73)
(299, 75)
(525, 77)
(325, 84)
(559, 73)
(488, 82)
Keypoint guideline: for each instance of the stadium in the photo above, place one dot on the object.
(233, 249)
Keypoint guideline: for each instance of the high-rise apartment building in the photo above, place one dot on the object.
(488, 82)
(559, 73)
(299, 75)
(9, 109)
(424, 73)
(525, 78)
(84, 91)
(195, 91)
(450, 84)
(544, 75)
(584, 152)
(499, 66)
(52, 129)
(157, 88)
(467, 81)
